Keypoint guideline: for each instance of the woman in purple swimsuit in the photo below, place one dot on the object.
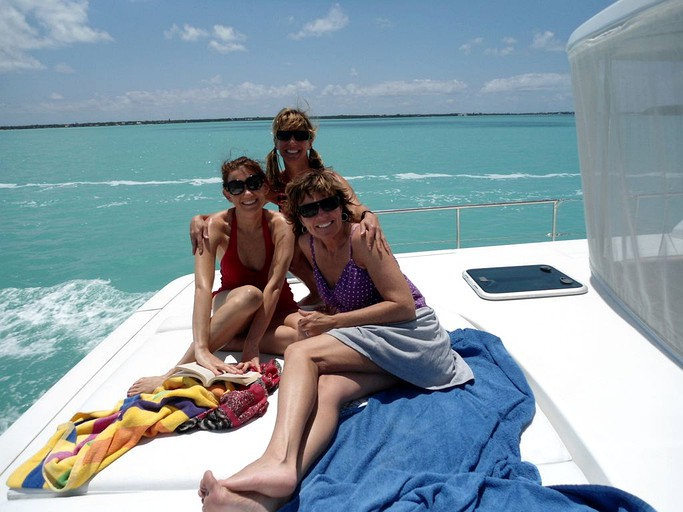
(376, 331)
(254, 309)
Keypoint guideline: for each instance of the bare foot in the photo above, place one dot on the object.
(146, 385)
(265, 476)
(215, 497)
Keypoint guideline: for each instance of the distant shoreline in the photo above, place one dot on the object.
(258, 118)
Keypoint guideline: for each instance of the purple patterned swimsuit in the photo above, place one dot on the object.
(417, 350)
(354, 289)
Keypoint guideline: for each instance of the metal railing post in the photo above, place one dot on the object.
(457, 228)
(555, 205)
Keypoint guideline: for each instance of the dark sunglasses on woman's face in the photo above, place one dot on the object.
(299, 135)
(236, 187)
(311, 209)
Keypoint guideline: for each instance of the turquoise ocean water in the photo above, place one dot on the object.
(94, 220)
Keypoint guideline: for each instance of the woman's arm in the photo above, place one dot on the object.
(199, 231)
(204, 273)
(398, 304)
(283, 241)
(370, 229)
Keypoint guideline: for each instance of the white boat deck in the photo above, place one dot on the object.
(609, 393)
(608, 410)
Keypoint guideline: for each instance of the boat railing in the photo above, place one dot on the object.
(398, 245)
(553, 234)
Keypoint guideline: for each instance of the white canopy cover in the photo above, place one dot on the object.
(627, 74)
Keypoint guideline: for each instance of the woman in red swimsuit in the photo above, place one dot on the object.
(254, 309)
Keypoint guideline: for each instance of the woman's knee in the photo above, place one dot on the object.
(327, 353)
(332, 391)
(306, 352)
(248, 296)
(296, 351)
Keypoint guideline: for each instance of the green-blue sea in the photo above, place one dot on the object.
(94, 220)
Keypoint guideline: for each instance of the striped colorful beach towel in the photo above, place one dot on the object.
(89, 442)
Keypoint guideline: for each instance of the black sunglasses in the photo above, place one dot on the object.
(288, 134)
(236, 187)
(311, 209)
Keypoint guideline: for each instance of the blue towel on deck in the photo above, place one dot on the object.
(454, 450)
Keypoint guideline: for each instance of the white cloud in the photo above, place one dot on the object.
(223, 39)
(58, 22)
(548, 42)
(500, 52)
(214, 80)
(27, 25)
(64, 69)
(467, 47)
(396, 88)
(227, 33)
(507, 49)
(334, 21)
(227, 47)
(56, 96)
(188, 33)
(215, 95)
(211, 95)
(529, 82)
(13, 59)
(227, 37)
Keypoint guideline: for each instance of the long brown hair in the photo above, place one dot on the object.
(320, 181)
(290, 119)
(232, 165)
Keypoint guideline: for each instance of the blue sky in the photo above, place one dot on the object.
(64, 61)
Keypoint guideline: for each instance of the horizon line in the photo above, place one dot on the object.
(268, 118)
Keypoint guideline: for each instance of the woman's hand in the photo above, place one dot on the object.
(372, 233)
(313, 323)
(199, 233)
(216, 365)
(251, 364)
